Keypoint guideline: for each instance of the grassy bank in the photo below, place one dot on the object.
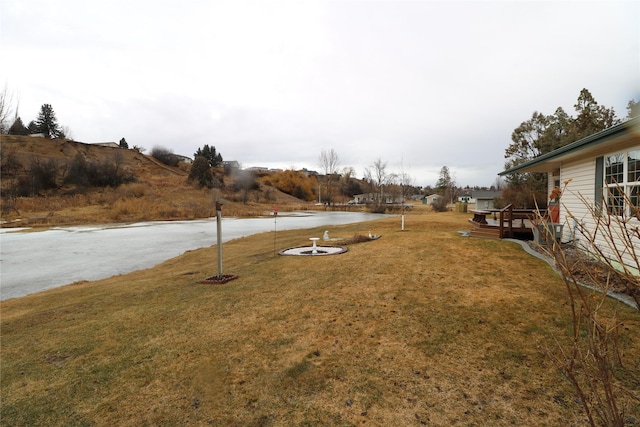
(418, 327)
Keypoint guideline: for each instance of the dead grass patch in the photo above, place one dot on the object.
(160, 192)
(419, 327)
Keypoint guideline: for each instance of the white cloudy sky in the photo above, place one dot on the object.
(420, 84)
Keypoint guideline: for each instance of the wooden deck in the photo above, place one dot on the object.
(504, 223)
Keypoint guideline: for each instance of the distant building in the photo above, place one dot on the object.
(308, 172)
(466, 198)
(484, 199)
(184, 158)
(430, 199)
(231, 164)
(375, 197)
(107, 144)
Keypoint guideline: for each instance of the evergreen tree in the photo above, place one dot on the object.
(32, 127)
(47, 123)
(18, 128)
(123, 143)
(542, 134)
(558, 131)
(209, 153)
(201, 172)
(446, 185)
(591, 117)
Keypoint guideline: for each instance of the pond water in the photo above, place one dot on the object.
(32, 262)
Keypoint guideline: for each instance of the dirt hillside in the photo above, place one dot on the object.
(27, 149)
(155, 192)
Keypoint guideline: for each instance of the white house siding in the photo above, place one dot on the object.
(552, 178)
(582, 186)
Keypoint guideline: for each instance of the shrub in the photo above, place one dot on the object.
(294, 183)
(9, 165)
(43, 175)
(165, 156)
(133, 190)
(378, 208)
(245, 183)
(522, 198)
(440, 204)
(78, 172)
(98, 174)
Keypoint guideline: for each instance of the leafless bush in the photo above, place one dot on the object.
(593, 360)
(106, 173)
(165, 156)
(440, 204)
(377, 208)
(43, 175)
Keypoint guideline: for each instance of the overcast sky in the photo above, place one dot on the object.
(419, 84)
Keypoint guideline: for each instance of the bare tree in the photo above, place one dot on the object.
(6, 109)
(406, 183)
(498, 184)
(382, 184)
(67, 133)
(328, 162)
(377, 175)
(349, 186)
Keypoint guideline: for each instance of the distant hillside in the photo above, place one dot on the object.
(27, 149)
(36, 189)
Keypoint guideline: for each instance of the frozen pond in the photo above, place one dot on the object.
(32, 262)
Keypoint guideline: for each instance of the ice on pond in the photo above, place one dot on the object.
(35, 261)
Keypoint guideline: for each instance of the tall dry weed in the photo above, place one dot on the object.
(136, 190)
(593, 361)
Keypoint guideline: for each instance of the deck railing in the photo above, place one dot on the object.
(504, 214)
(508, 215)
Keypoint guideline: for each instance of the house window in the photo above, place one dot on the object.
(622, 180)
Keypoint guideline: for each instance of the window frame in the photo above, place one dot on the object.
(618, 194)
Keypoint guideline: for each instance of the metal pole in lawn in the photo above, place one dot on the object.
(275, 227)
(219, 223)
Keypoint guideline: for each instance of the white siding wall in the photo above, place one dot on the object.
(582, 176)
(582, 186)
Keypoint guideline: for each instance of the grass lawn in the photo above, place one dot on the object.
(418, 327)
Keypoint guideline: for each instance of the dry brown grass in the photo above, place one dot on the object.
(161, 192)
(418, 327)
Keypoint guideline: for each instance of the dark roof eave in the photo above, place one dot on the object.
(536, 164)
